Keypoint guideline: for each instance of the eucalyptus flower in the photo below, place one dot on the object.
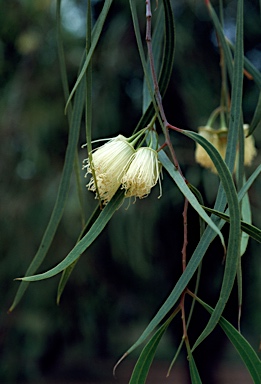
(107, 163)
(141, 173)
(219, 140)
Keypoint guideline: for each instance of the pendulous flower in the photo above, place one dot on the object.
(141, 173)
(219, 140)
(108, 162)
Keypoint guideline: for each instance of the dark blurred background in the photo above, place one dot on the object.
(124, 277)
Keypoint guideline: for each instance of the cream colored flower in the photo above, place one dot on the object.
(141, 173)
(108, 162)
(219, 139)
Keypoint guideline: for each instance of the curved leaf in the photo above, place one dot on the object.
(95, 38)
(62, 192)
(67, 272)
(250, 229)
(192, 266)
(85, 242)
(246, 352)
(248, 183)
(194, 375)
(235, 123)
(253, 71)
(157, 49)
(167, 59)
(234, 233)
(185, 190)
(141, 369)
(256, 120)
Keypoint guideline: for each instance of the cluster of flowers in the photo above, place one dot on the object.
(118, 164)
(218, 137)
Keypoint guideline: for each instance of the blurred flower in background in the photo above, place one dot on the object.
(218, 138)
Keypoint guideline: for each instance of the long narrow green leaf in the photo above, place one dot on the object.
(235, 120)
(67, 271)
(85, 242)
(62, 192)
(246, 218)
(142, 367)
(169, 48)
(157, 48)
(235, 124)
(65, 86)
(234, 127)
(192, 266)
(88, 100)
(246, 352)
(194, 262)
(234, 233)
(254, 72)
(222, 39)
(250, 229)
(181, 184)
(147, 75)
(253, 231)
(167, 62)
(256, 121)
(244, 349)
(232, 256)
(194, 375)
(248, 183)
(95, 38)
(236, 77)
(88, 121)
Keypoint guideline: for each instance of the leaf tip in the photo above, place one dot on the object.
(118, 363)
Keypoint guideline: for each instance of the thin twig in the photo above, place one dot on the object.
(185, 235)
(152, 64)
(168, 143)
(157, 90)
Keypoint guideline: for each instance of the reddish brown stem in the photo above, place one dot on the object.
(168, 126)
(156, 87)
(152, 64)
(185, 235)
(183, 315)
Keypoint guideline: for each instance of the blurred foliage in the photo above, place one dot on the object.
(117, 284)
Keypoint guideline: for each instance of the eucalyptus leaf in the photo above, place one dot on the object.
(246, 352)
(234, 232)
(185, 190)
(256, 120)
(250, 229)
(235, 124)
(141, 369)
(246, 218)
(251, 69)
(67, 271)
(194, 375)
(167, 58)
(97, 30)
(206, 239)
(62, 192)
(98, 226)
